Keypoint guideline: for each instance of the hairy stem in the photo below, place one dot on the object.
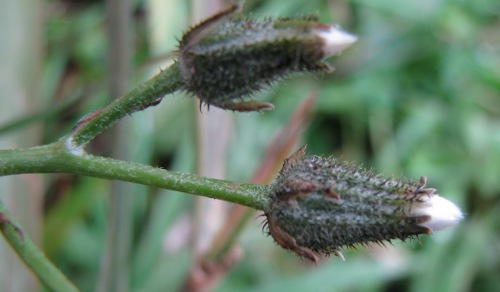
(55, 158)
(43, 268)
(141, 97)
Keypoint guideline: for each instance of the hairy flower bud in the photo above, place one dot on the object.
(320, 205)
(228, 57)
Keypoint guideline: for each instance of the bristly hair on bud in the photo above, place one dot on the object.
(228, 57)
(320, 205)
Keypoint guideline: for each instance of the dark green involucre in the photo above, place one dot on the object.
(227, 57)
(320, 205)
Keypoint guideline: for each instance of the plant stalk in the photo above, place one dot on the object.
(35, 259)
(55, 158)
(148, 94)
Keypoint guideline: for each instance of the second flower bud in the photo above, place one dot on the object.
(227, 58)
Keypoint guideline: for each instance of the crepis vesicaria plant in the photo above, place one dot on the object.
(318, 205)
(228, 57)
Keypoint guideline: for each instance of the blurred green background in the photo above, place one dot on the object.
(419, 94)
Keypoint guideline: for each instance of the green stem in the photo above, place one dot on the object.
(43, 268)
(55, 158)
(141, 97)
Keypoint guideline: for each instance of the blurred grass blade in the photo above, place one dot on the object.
(47, 114)
(115, 269)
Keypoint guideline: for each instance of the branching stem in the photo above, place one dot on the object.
(56, 158)
(143, 96)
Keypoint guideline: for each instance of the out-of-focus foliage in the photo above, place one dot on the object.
(419, 94)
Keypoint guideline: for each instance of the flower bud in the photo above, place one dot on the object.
(319, 205)
(227, 57)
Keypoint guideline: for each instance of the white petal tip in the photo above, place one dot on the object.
(443, 213)
(335, 40)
